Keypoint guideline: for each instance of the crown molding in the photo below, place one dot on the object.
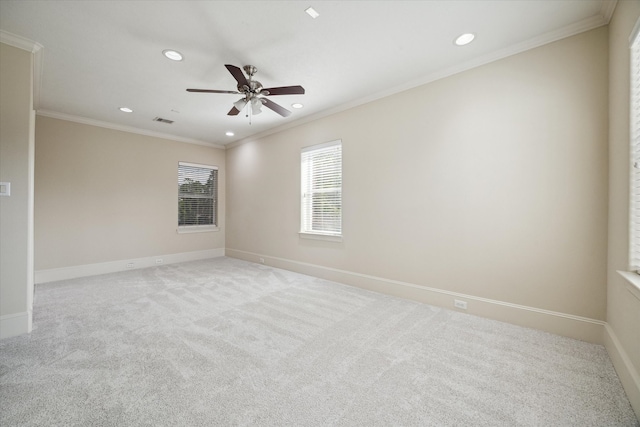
(19, 42)
(603, 18)
(541, 40)
(124, 128)
(36, 49)
(608, 6)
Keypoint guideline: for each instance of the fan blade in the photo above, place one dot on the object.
(285, 90)
(212, 91)
(233, 112)
(238, 75)
(275, 107)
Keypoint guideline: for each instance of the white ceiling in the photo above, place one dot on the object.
(101, 55)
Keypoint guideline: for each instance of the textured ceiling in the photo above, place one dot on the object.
(101, 55)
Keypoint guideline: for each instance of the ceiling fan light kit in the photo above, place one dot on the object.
(254, 93)
(239, 104)
(256, 106)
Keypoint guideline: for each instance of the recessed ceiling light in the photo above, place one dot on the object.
(465, 39)
(229, 133)
(297, 105)
(125, 109)
(312, 12)
(173, 55)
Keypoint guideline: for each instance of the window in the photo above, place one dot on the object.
(197, 196)
(321, 201)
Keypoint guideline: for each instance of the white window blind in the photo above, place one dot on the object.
(634, 240)
(197, 194)
(322, 189)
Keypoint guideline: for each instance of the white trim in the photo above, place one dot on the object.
(634, 32)
(629, 376)
(315, 166)
(334, 143)
(12, 325)
(30, 285)
(123, 128)
(36, 49)
(634, 280)
(578, 327)
(633, 234)
(186, 229)
(55, 274)
(318, 236)
(198, 165)
(541, 40)
(19, 42)
(607, 8)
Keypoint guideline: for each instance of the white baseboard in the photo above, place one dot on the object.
(12, 325)
(629, 376)
(55, 274)
(577, 327)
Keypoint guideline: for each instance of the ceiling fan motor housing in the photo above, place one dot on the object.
(254, 88)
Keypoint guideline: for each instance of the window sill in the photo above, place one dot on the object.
(317, 236)
(197, 229)
(634, 280)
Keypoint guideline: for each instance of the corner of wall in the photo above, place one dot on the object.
(12, 325)
(627, 373)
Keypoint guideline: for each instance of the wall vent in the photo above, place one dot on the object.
(161, 120)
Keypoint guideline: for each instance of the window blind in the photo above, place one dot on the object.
(634, 238)
(321, 167)
(197, 194)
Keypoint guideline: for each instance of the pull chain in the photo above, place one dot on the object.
(248, 107)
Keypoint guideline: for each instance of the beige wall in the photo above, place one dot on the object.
(16, 210)
(623, 309)
(490, 183)
(105, 195)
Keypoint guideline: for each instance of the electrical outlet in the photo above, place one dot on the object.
(159, 261)
(5, 188)
(261, 260)
(129, 265)
(460, 304)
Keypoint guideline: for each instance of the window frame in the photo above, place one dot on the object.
(305, 210)
(200, 228)
(634, 149)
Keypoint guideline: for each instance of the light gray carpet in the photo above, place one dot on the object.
(226, 342)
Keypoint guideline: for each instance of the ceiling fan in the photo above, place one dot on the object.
(251, 89)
